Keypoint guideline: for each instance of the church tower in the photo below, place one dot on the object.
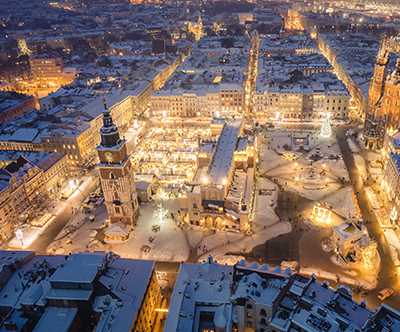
(375, 93)
(117, 180)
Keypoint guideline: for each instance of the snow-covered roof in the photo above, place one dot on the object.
(79, 268)
(142, 185)
(208, 282)
(127, 280)
(56, 320)
(349, 230)
(223, 155)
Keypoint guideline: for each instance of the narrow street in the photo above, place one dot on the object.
(47, 237)
(387, 273)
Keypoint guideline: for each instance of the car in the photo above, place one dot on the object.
(69, 241)
(92, 218)
(384, 293)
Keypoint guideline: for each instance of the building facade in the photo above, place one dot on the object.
(117, 180)
(25, 183)
(382, 114)
(48, 71)
(220, 195)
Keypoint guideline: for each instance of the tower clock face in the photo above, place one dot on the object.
(108, 155)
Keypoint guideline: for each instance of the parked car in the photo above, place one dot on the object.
(384, 293)
(92, 218)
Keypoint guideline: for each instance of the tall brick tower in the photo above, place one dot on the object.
(117, 180)
(374, 102)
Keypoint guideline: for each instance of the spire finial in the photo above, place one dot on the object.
(104, 102)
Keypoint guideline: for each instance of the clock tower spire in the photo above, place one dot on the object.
(117, 180)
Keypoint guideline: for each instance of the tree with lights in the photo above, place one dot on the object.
(368, 255)
(160, 212)
(326, 128)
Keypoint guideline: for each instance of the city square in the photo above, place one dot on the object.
(200, 166)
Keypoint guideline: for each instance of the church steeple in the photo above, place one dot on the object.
(382, 57)
(109, 132)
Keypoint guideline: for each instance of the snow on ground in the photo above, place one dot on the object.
(245, 243)
(263, 210)
(342, 202)
(394, 256)
(366, 281)
(289, 173)
(171, 242)
(227, 259)
(371, 155)
(391, 238)
(360, 164)
(353, 146)
(30, 234)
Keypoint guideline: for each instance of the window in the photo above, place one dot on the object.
(112, 176)
(116, 196)
(194, 205)
(249, 314)
(249, 324)
(117, 210)
(249, 306)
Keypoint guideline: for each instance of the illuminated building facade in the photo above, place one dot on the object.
(220, 195)
(49, 72)
(391, 175)
(26, 181)
(196, 29)
(117, 180)
(228, 98)
(383, 108)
